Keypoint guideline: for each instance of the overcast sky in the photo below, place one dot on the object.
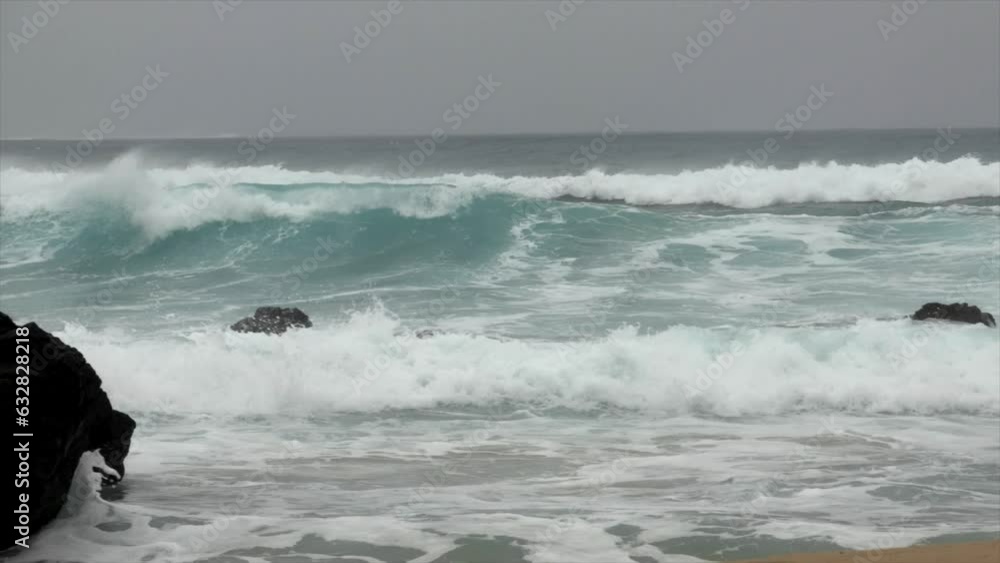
(226, 74)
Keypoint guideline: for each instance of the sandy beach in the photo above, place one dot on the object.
(974, 552)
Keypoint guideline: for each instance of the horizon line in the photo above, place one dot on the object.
(392, 136)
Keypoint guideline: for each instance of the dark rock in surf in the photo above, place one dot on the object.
(69, 415)
(428, 333)
(273, 320)
(115, 439)
(957, 312)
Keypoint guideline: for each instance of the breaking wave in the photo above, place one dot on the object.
(161, 201)
(370, 362)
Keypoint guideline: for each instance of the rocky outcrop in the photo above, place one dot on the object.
(69, 414)
(957, 312)
(273, 320)
(115, 438)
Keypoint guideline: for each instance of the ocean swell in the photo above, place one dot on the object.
(160, 201)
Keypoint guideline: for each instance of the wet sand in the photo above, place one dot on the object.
(974, 552)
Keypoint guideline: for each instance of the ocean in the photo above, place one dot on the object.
(647, 348)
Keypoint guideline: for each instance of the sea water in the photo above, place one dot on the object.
(669, 352)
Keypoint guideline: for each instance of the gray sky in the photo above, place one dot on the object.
(226, 75)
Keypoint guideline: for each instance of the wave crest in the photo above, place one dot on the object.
(162, 200)
(371, 362)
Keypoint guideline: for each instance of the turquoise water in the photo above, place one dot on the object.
(670, 356)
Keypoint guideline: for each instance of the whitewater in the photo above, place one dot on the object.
(673, 356)
(183, 199)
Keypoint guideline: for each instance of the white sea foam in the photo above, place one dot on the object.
(368, 363)
(162, 200)
(686, 465)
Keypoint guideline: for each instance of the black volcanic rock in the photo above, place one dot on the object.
(957, 312)
(273, 320)
(69, 415)
(115, 438)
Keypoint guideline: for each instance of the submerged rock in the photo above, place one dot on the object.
(273, 320)
(69, 414)
(957, 312)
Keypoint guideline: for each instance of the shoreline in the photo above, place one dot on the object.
(967, 552)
